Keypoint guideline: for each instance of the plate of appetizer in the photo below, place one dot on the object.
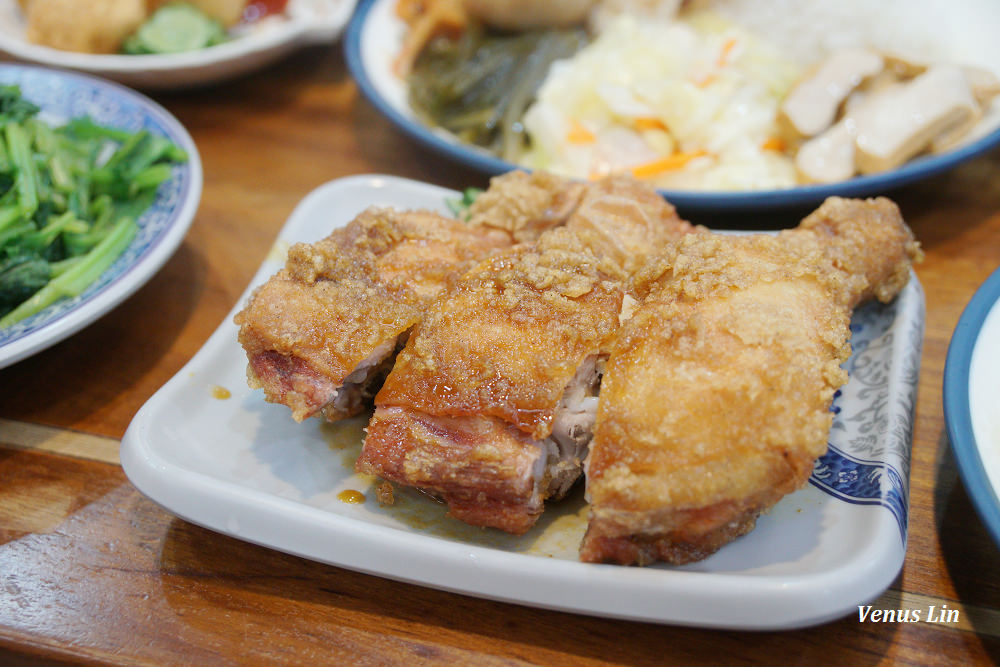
(743, 105)
(462, 352)
(970, 391)
(160, 44)
(99, 186)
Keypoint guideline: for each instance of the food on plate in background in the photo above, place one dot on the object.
(687, 375)
(683, 95)
(70, 198)
(139, 26)
(861, 111)
(605, 11)
(528, 14)
(478, 86)
(174, 28)
(99, 26)
(684, 105)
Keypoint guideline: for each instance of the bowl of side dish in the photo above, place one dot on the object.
(754, 175)
(259, 36)
(99, 186)
(970, 392)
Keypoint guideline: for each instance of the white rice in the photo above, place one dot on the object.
(958, 31)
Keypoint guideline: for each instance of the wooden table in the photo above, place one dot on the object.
(91, 570)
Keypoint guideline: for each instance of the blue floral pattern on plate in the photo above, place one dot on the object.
(63, 96)
(868, 459)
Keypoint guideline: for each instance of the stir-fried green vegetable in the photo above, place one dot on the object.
(478, 86)
(69, 200)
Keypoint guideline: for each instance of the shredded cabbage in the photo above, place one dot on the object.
(687, 104)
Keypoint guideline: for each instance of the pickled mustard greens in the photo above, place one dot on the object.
(478, 86)
(69, 200)
(175, 28)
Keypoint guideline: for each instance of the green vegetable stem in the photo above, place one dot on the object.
(70, 197)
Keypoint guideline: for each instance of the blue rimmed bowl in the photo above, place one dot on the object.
(373, 39)
(972, 400)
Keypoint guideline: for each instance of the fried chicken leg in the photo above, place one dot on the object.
(490, 405)
(717, 393)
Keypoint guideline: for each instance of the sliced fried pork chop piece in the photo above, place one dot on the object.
(508, 360)
(716, 398)
(322, 334)
(321, 331)
(483, 376)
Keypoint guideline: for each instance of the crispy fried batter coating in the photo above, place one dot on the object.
(509, 336)
(356, 292)
(493, 357)
(322, 334)
(716, 398)
(526, 205)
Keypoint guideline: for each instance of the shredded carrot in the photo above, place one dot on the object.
(727, 50)
(578, 134)
(774, 144)
(669, 163)
(649, 123)
(438, 17)
(410, 10)
(705, 80)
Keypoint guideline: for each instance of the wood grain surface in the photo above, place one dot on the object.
(92, 571)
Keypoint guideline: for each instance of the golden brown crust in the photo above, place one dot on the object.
(625, 222)
(339, 300)
(872, 244)
(715, 402)
(526, 205)
(691, 386)
(504, 343)
(479, 465)
(509, 336)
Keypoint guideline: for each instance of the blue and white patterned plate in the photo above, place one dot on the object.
(63, 96)
(972, 400)
(374, 37)
(242, 467)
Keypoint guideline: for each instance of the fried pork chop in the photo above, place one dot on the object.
(491, 403)
(322, 334)
(716, 398)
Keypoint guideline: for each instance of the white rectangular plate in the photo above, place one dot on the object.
(242, 467)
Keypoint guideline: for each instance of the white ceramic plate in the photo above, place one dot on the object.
(242, 467)
(308, 22)
(971, 399)
(63, 96)
(375, 34)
